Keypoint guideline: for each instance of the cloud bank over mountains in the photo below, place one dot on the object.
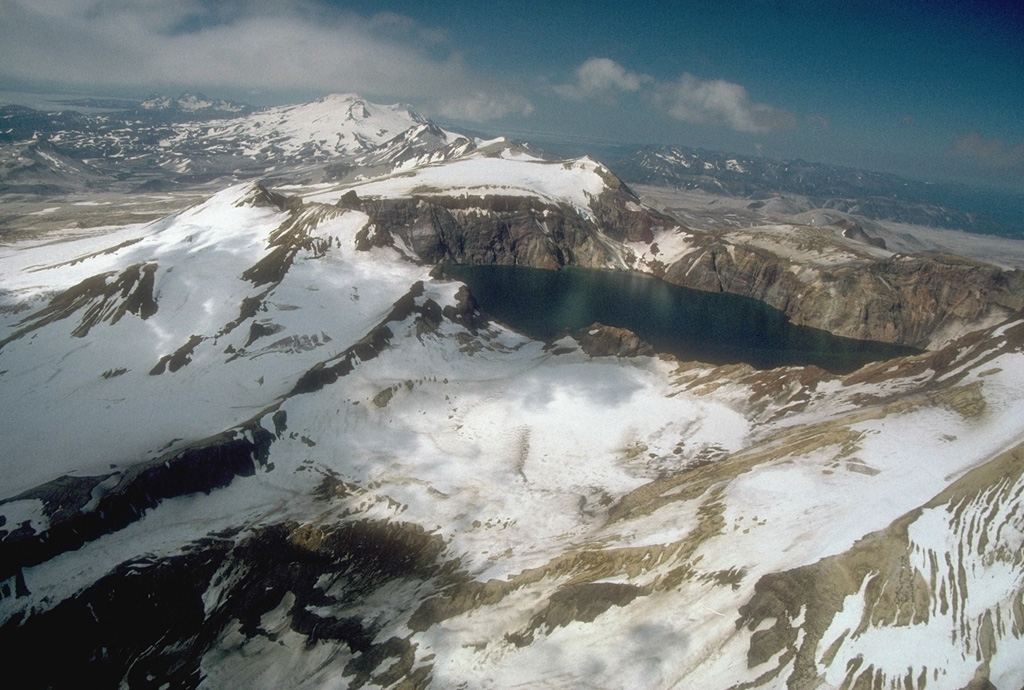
(900, 87)
(990, 152)
(257, 46)
(688, 99)
(266, 47)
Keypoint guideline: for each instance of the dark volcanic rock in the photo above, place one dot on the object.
(150, 622)
(507, 230)
(855, 231)
(598, 340)
(81, 509)
(497, 230)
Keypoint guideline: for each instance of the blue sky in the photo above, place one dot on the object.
(931, 90)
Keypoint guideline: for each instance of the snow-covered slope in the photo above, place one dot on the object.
(190, 141)
(193, 287)
(337, 125)
(260, 443)
(496, 168)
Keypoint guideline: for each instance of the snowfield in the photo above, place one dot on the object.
(332, 125)
(482, 173)
(427, 498)
(199, 257)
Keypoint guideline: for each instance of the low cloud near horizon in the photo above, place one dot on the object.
(307, 46)
(244, 44)
(992, 153)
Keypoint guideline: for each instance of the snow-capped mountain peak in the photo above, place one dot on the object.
(270, 440)
(192, 103)
(332, 126)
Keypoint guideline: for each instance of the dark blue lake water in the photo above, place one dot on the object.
(711, 327)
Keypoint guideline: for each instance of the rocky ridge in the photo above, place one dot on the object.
(913, 300)
(343, 473)
(819, 277)
(805, 185)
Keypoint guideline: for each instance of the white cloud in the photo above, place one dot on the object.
(689, 99)
(483, 106)
(598, 76)
(309, 46)
(720, 102)
(238, 44)
(994, 153)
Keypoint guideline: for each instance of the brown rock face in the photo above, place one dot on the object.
(621, 216)
(511, 230)
(921, 301)
(488, 230)
(598, 340)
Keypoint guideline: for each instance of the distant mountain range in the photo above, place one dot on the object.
(267, 440)
(164, 143)
(874, 195)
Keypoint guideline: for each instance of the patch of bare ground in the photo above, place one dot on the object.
(578, 593)
(896, 593)
(105, 297)
(65, 218)
(288, 239)
(694, 482)
(937, 374)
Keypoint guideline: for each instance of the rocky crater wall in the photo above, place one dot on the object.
(922, 301)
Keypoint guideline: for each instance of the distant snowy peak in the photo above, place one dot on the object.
(348, 113)
(425, 144)
(191, 103)
(180, 140)
(336, 125)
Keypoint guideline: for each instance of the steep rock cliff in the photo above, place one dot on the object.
(508, 230)
(809, 273)
(923, 301)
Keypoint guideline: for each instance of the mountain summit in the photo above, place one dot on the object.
(264, 440)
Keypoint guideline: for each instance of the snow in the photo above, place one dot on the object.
(939, 536)
(332, 125)
(514, 456)
(575, 182)
(672, 245)
(200, 255)
(28, 512)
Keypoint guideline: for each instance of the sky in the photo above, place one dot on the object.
(929, 89)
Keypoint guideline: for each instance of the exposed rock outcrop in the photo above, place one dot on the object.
(105, 297)
(486, 230)
(855, 231)
(923, 301)
(622, 217)
(510, 230)
(80, 509)
(232, 586)
(598, 340)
